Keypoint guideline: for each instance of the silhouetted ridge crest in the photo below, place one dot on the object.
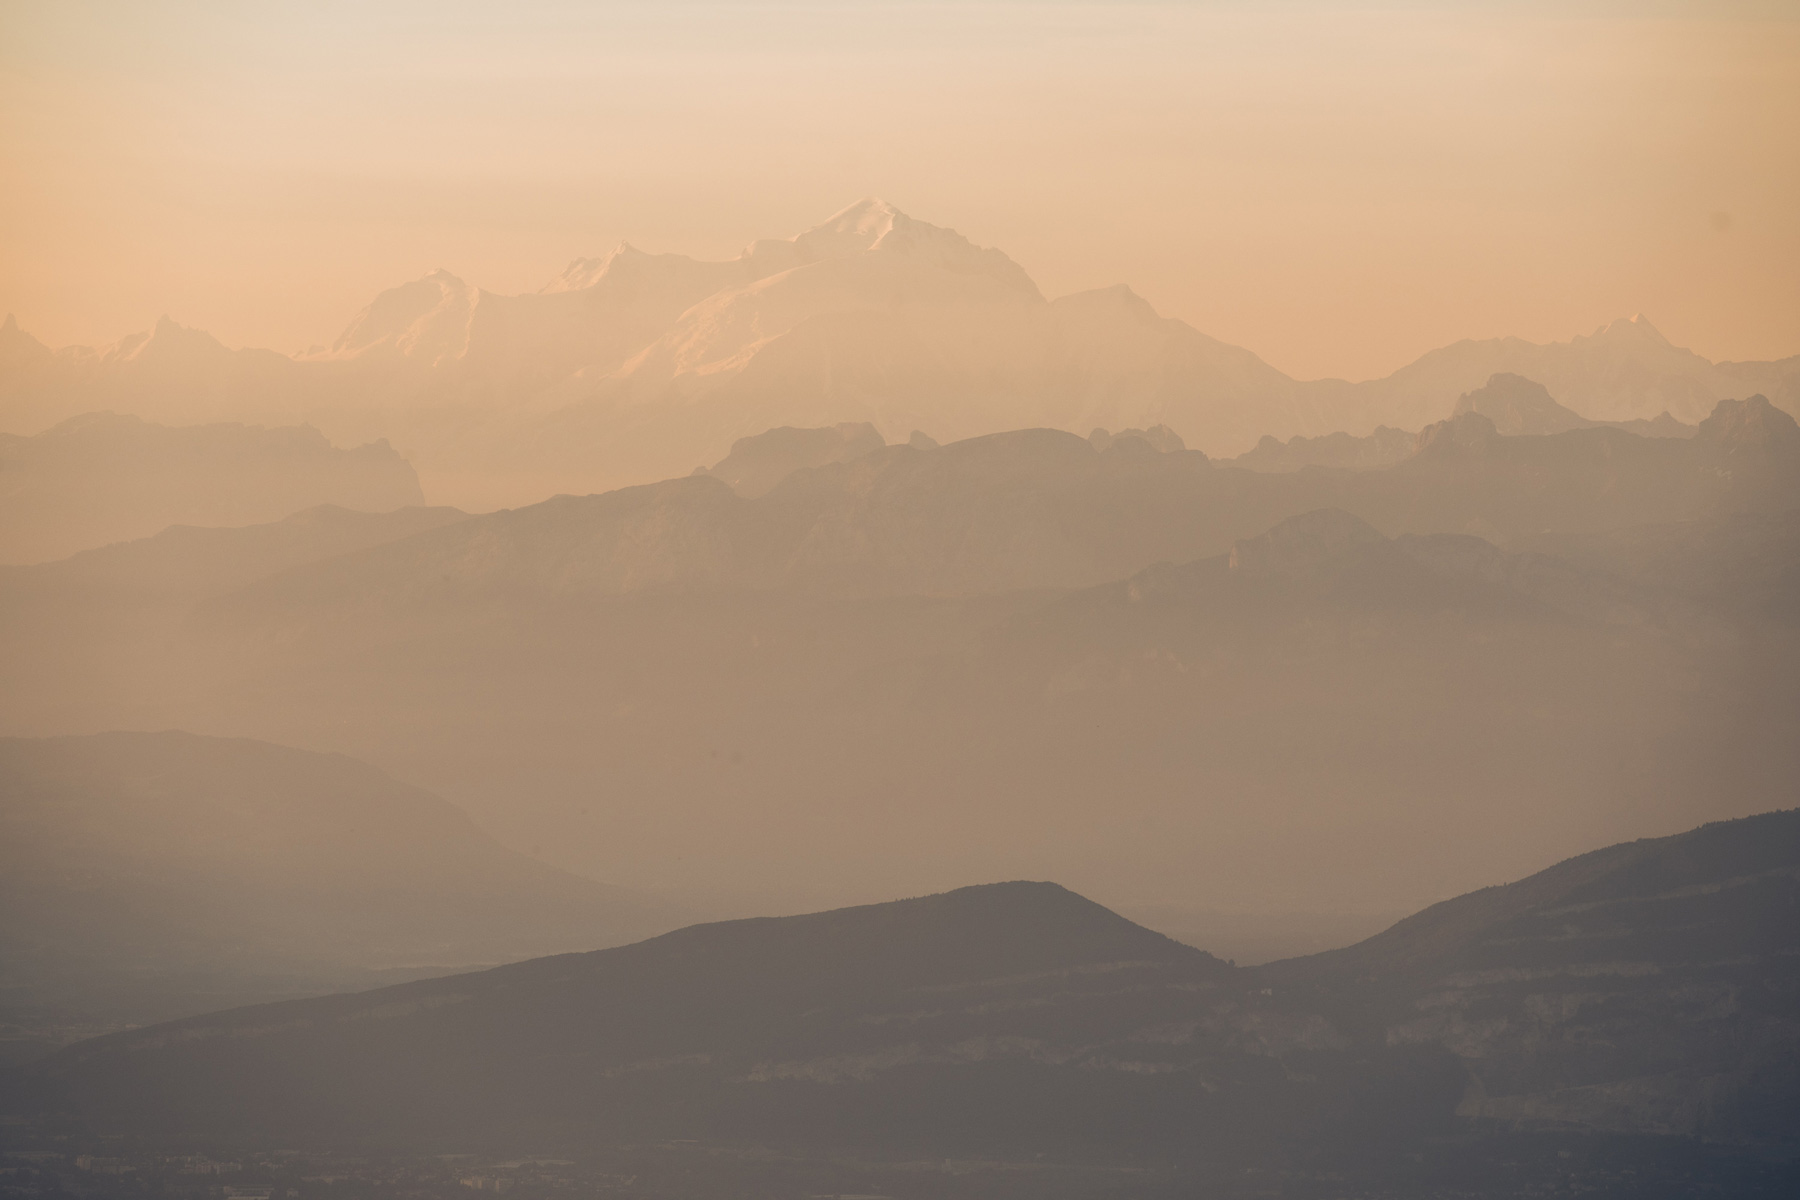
(977, 932)
(1739, 424)
(1305, 541)
(1518, 406)
(913, 1024)
(1465, 434)
(1715, 856)
(758, 463)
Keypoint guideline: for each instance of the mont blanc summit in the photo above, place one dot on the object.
(638, 365)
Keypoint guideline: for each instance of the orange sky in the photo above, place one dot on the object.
(1337, 186)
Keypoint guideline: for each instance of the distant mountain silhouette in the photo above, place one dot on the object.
(65, 624)
(1744, 458)
(962, 645)
(1382, 448)
(756, 464)
(1743, 562)
(1516, 407)
(1037, 508)
(145, 873)
(1333, 561)
(1633, 990)
(169, 374)
(103, 478)
(199, 560)
(1623, 371)
(635, 366)
(1519, 406)
(1160, 438)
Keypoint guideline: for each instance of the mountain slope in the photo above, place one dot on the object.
(134, 861)
(871, 679)
(758, 463)
(324, 857)
(1519, 406)
(637, 366)
(1041, 508)
(1745, 562)
(104, 478)
(1623, 371)
(1649, 986)
(197, 560)
(1522, 407)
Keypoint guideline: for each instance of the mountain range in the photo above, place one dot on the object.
(1040, 508)
(147, 875)
(1642, 992)
(930, 660)
(102, 477)
(637, 366)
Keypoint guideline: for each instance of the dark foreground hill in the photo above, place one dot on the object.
(1013, 1018)
(1648, 990)
(1649, 987)
(146, 875)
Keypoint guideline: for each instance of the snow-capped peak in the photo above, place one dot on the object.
(873, 226)
(166, 342)
(1636, 327)
(854, 230)
(586, 272)
(425, 319)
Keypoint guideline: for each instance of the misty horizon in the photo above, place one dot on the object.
(897, 601)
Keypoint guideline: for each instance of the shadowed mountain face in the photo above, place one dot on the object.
(1651, 987)
(1520, 407)
(1517, 406)
(101, 614)
(1007, 1018)
(636, 366)
(1382, 448)
(1039, 508)
(1647, 988)
(1746, 563)
(756, 464)
(152, 873)
(1742, 458)
(104, 478)
(193, 561)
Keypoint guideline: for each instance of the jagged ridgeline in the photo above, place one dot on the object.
(638, 366)
(910, 665)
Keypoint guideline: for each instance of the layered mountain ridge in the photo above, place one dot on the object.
(1037, 508)
(639, 366)
(105, 477)
(1643, 989)
(900, 640)
(146, 875)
